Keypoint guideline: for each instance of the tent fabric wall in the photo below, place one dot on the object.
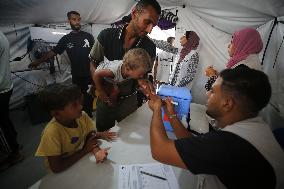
(53, 11)
(212, 48)
(230, 15)
(215, 12)
(27, 81)
(276, 77)
(213, 51)
(213, 20)
(17, 35)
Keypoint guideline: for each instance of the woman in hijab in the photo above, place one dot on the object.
(243, 49)
(186, 61)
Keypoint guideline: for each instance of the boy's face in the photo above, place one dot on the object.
(72, 110)
(137, 73)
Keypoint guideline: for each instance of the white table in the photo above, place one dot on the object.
(132, 147)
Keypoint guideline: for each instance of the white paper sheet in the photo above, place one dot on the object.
(130, 177)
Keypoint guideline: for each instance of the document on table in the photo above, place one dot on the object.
(147, 176)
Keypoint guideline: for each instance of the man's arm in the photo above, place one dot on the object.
(179, 129)
(97, 53)
(47, 56)
(165, 46)
(60, 163)
(162, 148)
(96, 56)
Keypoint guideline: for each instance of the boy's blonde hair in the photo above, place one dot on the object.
(137, 58)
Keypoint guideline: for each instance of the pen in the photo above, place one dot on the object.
(173, 102)
(152, 175)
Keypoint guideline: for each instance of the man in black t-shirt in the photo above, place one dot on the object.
(243, 153)
(77, 45)
(113, 43)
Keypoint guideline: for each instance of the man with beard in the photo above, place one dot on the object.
(77, 45)
(243, 153)
(113, 43)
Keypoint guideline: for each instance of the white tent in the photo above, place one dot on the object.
(213, 20)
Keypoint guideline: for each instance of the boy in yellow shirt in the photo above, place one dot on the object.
(71, 133)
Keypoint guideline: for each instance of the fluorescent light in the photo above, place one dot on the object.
(58, 33)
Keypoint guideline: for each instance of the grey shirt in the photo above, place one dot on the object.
(5, 72)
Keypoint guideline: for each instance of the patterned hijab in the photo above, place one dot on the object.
(246, 41)
(192, 43)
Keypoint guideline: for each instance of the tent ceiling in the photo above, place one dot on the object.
(199, 15)
(272, 8)
(229, 15)
(107, 11)
(54, 11)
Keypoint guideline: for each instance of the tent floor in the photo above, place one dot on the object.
(31, 169)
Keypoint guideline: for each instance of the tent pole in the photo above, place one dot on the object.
(270, 34)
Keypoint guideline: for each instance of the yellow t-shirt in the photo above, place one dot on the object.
(57, 139)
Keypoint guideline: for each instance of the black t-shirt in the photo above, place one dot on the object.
(112, 40)
(236, 162)
(77, 46)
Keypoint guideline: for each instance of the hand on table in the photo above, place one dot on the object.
(90, 144)
(107, 135)
(101, 154)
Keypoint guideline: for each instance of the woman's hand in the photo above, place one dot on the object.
(210, 71)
